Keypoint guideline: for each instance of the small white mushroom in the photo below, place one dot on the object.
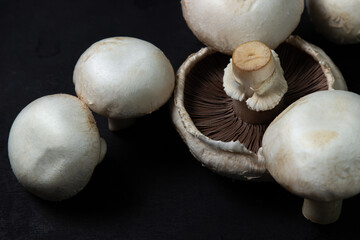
(311, 149)
(225, 24)
(338, 21)
(54, 146)
(123, 78)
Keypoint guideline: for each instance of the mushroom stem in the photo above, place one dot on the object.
(322, 212)
(249, 116)
(252, 65)
(256, 74)
(118, 124)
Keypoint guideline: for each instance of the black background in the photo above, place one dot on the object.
(149, 186)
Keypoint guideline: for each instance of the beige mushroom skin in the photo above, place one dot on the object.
(233, 159)
(311, 149)
(225, 24)
(54, 146)
(338, 21)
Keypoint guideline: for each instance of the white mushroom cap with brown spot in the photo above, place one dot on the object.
(312, 147)
(225, 24)
(54, 146)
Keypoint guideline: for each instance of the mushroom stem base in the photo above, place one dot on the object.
(322, 212)
(253, 117)
(118, 124)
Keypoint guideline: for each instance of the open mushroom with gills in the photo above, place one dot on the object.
(222, 114)
(338, 21)
(54, 146)
(311, 149)
(122, 78)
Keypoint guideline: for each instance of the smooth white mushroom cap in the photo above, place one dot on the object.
(312, 149)
(338, 21)
(54, 146)
(225, 24)
(123, 77)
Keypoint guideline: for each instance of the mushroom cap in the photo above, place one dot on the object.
(123, 77)
(225, 24)
(311, 148)
(232, 158)
(338, 21)
(54, 146)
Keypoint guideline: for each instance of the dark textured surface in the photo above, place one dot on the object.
(148, 186)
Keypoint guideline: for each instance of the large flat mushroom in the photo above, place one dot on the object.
(311, 149)
(206, 116)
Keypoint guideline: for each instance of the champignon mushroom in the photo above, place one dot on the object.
(54, 146)
(225, 24)
(338, 21)
(311, 149)
(221, 131)
(123, 78)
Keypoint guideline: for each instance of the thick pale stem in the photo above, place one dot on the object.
(322, 212)
(255, 76)
(103, 149)
(252, 64)
(118, 124)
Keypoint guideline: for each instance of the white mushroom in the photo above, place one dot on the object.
(54, 146)
(225, 24)
(311, 149)
(202, 74)
(338, 21)
(123, 78)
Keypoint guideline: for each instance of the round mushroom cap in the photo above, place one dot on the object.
(338, 21)
(54, 146)
(225, 24)
(123, 77)
(311, 148)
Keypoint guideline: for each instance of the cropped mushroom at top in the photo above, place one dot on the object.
(225, 24)
(221, 130)
(122, 78)
(311, 149)
(54, 146)
(338, 21)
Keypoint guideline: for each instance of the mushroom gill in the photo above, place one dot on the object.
(214, 113)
